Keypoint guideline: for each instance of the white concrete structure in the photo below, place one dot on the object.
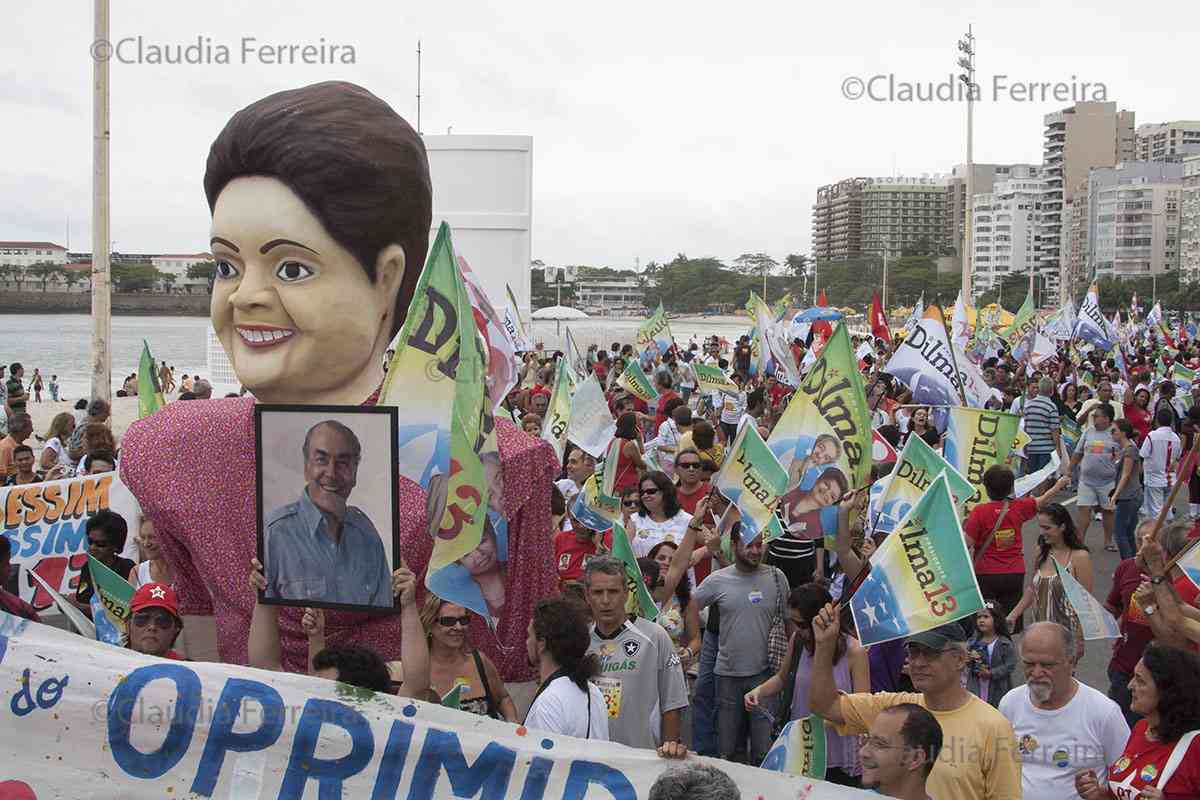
(26, 254)
(611, 297)
(177, 265)
(1005, 221)
(1189, 222)
(483, 187)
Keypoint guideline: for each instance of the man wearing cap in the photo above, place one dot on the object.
(979, 759)
(154, 621)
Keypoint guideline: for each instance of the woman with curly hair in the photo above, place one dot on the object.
(1161, 760)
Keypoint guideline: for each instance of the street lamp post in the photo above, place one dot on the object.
(966, 62)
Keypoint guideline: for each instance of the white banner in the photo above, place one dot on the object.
(45, 522)
(591, 426)
(85, 719)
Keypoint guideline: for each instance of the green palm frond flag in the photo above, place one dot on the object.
(150, 397)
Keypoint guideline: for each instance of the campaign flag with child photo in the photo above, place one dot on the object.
(916, 468)
(446, 430)
(977, 439)
(655, 333)
(634, 380)
(827, 424)
(1092, 326)
(1023, 326)
(753, 480)
(921, 576)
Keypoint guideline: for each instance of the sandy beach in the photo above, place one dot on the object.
(124, 413)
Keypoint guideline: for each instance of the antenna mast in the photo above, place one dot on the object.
(418, 87)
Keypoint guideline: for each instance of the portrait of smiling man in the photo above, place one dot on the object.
(319, 548)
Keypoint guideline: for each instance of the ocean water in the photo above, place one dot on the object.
(61, 344)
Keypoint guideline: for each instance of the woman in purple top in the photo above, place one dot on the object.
(850, 670)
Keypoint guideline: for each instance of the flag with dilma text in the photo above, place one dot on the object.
(921, 575)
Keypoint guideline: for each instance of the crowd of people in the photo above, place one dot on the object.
(749, 636)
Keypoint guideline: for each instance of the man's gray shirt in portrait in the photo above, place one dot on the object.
(303, 561)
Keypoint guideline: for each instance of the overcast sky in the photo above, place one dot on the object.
(657, 127)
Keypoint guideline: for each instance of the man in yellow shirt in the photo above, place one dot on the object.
(979, 758)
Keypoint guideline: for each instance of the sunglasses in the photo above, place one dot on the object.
(688, 465)
(649, 492)
(450, 622)
(630, 503)
(160, 619)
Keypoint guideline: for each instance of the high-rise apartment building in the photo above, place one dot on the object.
(837, 221)
(1189, 221)
(871, 216)
(1085, 135)
(985, 178)
(1167, 141)
(902, 214)
(1134, 214)
(1004, 226)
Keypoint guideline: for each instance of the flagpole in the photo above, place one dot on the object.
(953, 358)
(101, 273)
(1179, 481)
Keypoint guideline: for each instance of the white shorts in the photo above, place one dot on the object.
(1094, 495)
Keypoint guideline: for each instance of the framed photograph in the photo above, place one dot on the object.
(328, 505)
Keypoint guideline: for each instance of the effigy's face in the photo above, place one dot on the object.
(297, 314)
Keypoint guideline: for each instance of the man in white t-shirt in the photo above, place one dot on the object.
(1160, 453)
(1061, 725)
(733, 407)
(557, 644)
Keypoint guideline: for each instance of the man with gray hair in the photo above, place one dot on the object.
(202, 389)
(1042, 427)
(1062, 726)
(694, 781)
(320, 548)
(640, 674)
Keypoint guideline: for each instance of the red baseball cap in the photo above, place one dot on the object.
(155, 595)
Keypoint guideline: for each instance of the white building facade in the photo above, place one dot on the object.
(1189, 221)
(1134, 222)
(1005, 223)
(26, 254)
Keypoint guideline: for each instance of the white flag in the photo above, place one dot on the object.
(591, 426)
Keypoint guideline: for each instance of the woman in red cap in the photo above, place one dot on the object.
(154, 622)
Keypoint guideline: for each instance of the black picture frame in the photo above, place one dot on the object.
(317, 413)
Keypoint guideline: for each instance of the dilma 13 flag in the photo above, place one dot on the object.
(447, 429)
(634, 380)
(977, 439)
(921, 576)
(655, 332)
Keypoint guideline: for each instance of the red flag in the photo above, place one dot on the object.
(1182, 336)
(879, 326)
(821, 328)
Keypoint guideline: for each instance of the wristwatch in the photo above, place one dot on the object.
(1150, 611)
(1155, 580)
